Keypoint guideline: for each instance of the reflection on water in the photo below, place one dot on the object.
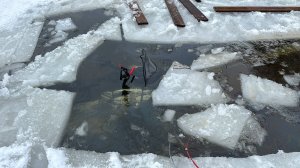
(125, 121)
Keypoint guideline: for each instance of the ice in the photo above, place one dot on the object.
(61, 64)
(212, 60)
(65, 25)
(221, 124)
(9, 69)
(34, 114)
(16, 156)
(17, 45)
(267, 92)
(292, 80)
(58, 37)
(221, 27)
(186, 87)
(168, 115)
(74, 158)
(67, 6)
(82, 129)
(217, 50)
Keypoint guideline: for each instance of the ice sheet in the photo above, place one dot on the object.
(212, 60)
(61, 64)
(187, 87)
(74, 158)
(34, 114)
(221, 124)
(221, 27)
(264, 91)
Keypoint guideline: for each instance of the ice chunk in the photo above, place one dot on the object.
(82, 130)
(18, 45)
(169, 115)
(186, 87)
(217, 50)
(212, 60)
(264, 91)
(65, 25)
(111, 29)
(293, 80)
(34, 113)
(221, 124)
(221, 27)
(58, 37)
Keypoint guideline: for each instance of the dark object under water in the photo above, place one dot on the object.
(149, 66)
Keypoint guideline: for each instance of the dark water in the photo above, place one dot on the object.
(128, 123)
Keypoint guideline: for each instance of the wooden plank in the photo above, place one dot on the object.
(176, 17)
(194, 10)
(138, 13)
(256, 8)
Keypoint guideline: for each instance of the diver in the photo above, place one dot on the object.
(125, 76)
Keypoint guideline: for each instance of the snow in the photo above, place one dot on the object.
(221, 124)
(32, 113)
(292, 80)
(16, 156)
(61, 64)
(221, 27)
(212, 60)
(267, 92)
(168, 115)
(82, 129)
(186, 87)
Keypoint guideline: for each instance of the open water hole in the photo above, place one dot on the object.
(125, 121)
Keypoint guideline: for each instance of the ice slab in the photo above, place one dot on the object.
(264, 91)
(17, 156)
(212, 60)
(186, 87)
(221, 27)
(17, 45)
(221, 124)
(293, 80)
(34, 114)
(61, 64)
(67, 6)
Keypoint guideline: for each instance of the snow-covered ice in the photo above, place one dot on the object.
(221, 27)
(187, 87)
(32, 113)
(221, 124)
(292, 80)
(267, 92)
(17, 45)
(212, 60)
(61, 64)
(168, 115)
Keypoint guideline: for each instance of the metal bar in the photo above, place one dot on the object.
(176, 17)
(256, 8)
(138, 13)
(193, 10)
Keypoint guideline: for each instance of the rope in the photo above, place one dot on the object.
(189, 155)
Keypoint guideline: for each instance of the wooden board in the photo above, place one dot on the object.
(194, 10)
(138, 13)
(176, 17)
(256, 8)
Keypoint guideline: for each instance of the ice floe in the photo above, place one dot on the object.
(34, 114)
(168, 115)
(292, 80)
(186, 87)
(267, 92)
(221, 124)
(212, 60)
